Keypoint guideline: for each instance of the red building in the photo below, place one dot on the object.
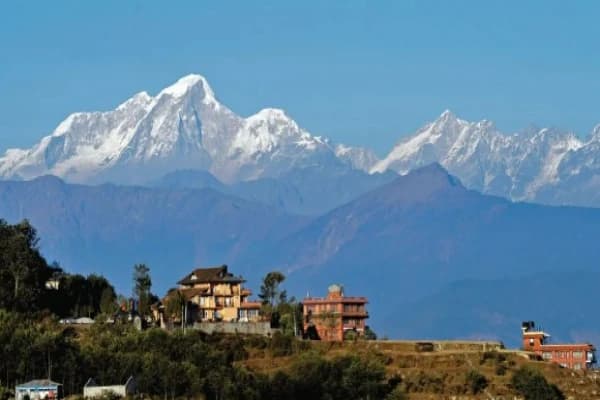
(574, 356)
(336, 316)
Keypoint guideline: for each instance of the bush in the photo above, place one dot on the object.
(532, 385)
(397, 394)
(5, 393)
(281, 345)
(493, 356)
(476, 382)
(501, 370)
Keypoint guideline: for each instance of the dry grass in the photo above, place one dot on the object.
(440, 374)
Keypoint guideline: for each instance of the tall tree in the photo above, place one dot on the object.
(108, 301)
(23, 271)
(142, 283)
(270, 292)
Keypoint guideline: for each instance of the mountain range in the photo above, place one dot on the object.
(436, 234)
(185, 127)
(540, 165)
(404, 245)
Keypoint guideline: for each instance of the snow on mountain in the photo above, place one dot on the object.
(534, 165)
(358, 157)
(184, 126)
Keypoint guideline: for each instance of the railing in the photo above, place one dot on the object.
(336, 299)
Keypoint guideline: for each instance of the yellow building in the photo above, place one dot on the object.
(215, 294)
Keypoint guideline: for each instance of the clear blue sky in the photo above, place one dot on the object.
(362, 73)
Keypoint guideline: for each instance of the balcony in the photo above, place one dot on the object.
(358, 314)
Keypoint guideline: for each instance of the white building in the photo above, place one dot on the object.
(39, 389)
(91, 389)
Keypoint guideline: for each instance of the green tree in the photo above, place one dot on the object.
(142, 283)
(270, 293)
(532, 385)
(23, 271)
(174, 304)
(370, 334)
(108, 301)
(476, 382)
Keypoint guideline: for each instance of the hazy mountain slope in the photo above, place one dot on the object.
(182, 127)
(108, 228)
(397, 244)
(478, 309)
(541, 165)
(306, 191)
(424, 230)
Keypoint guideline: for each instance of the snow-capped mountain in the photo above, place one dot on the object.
(543, 165)
(182, 127)
(185, 127)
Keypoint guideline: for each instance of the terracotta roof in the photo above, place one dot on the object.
(212, 274)
(251, 305)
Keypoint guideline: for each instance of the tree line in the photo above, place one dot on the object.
(178, 364)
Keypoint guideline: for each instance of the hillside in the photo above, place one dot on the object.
(403, 245)
(441, 374)
(423, 231)
(108, 228)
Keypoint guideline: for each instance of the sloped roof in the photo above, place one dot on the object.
(188, 294)
(210, 275)
(91, 382)
(37, 383)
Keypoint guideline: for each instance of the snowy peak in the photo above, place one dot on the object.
(182, 127)
(521, 166)
(187, 83)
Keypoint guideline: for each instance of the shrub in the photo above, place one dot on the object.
(281, 345)
(501, 370)
(493, 356)
(532, 385)
(397, 394)
(476, 382)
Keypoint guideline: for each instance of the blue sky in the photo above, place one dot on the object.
(362, 73)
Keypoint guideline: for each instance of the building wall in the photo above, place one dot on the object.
(331, 317)
(38, 393)
(100, 391)
(574, 356)
(128, 388)
(224, 300)
(247, 328)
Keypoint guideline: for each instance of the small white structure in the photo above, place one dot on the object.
(91, 389)
(39, 389)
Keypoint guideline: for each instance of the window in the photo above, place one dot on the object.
(578, 354)
(576, 366)
(547, 355)
(590, 357)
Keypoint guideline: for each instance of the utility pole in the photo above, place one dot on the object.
(294, 309)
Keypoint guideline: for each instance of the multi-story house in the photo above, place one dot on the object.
(336, 316)
(574, 356)
(215, 294)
